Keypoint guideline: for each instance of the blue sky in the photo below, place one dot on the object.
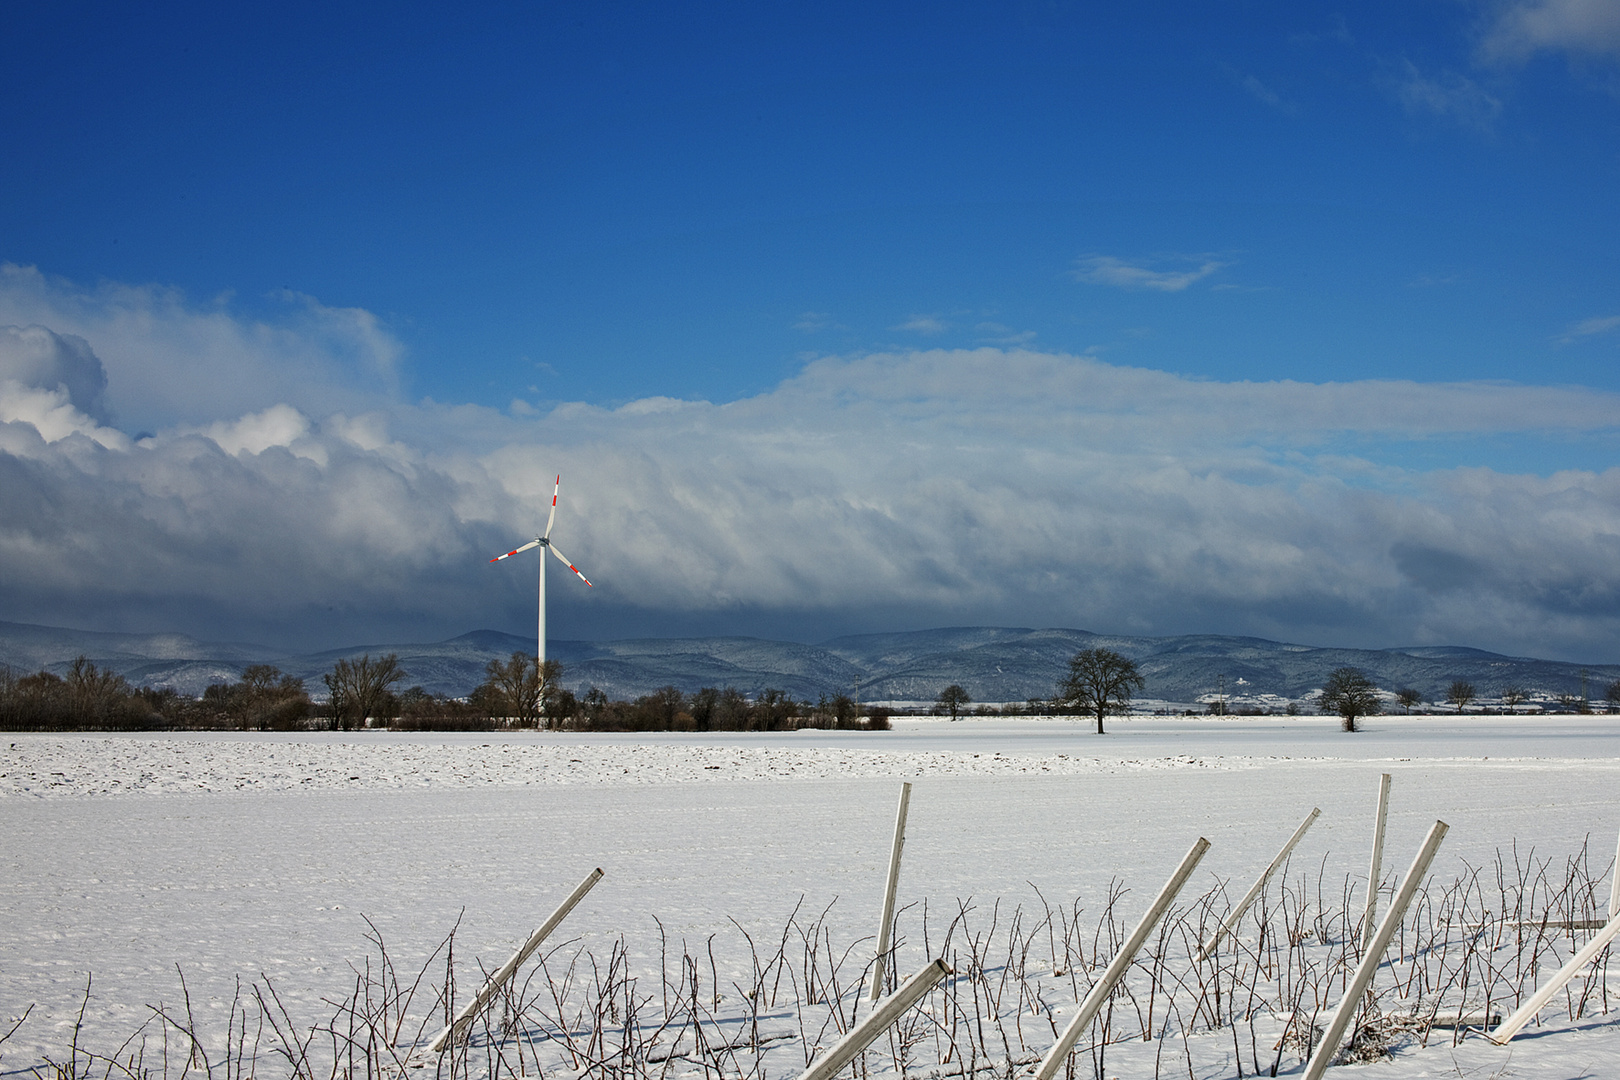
(497, 240)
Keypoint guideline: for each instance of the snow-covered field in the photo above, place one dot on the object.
(242, 855)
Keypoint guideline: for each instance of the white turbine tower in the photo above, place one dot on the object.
(543, 541)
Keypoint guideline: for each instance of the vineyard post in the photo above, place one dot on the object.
(1232, 920)
(1373, 954)
(1369, 917)
(890, 885)
(1121, 963)
(844, 1050)
(1527, 1012)
(499, 979)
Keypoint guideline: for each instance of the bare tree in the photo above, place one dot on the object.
(1460, 694)
(360, 687)
(952, 699)
(1513, 696)
(512, 688)
(1408, 698)
(93, 693)
(1099, 681)
(845, 712)
(1349, 693)
(731, 710)
(266, 698)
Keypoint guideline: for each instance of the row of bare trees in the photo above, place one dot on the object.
(85, 697)
(364, 691)
(90, 698)
(519, 692)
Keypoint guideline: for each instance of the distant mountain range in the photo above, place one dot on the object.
(994, 664)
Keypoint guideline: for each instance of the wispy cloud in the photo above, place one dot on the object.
(1590, 328)
(1446, 96)
(1262, 93)
(994, 333)
(811, 322)
(1521, 29)
(906, 488)
(1433, 281)
(925, 324)
(1123, 274)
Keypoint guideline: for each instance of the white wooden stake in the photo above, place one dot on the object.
(1527, 1011)
(1373, 955)
(1055, 1057)
(1614, 886)
(1370, 917)
(496, 981)
(859, 1036)
(1232, 920)
(889, 888)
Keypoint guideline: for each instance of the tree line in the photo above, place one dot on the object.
(1102, 681)
(363, 691)
(88, 698)
(518, 692)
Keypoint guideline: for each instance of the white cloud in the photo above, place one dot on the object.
(1590, 328)
(52, 414)
(901, 489)
(1267, 96)
(354, 331)
(34, 356)
(1108, 270)
(1519, 30)
(168, 361)
(813, 321)
(1433, 281)
(925, 324)
(279, 425)
(1447, 96)
(994, 333)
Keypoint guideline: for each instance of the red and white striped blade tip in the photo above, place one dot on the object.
(570, 565)
(552, 517)
(517, 551)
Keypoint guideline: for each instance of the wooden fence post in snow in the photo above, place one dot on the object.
(889, 887)
(1614, 886)
(859, 1036)
(1373, 954)
(499, 979)
(1236, 917)
(1369, 918)
(1527, 1011)
(1055, 1057)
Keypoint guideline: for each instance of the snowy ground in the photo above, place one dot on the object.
(237, 855)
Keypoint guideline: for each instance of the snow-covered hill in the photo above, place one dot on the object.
(993, 663)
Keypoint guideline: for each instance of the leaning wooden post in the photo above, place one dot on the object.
(1121, 963)
(499, 979)
(1614, 886)
(1369, 917)
(889, 887)
(1373, 955)
(1232, 920)
(861, 1035)
(1527, 1012)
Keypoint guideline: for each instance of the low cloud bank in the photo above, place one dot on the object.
(869, 492)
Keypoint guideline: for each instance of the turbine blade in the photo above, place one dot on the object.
(518, 551)
(568, 564)
(553, 516)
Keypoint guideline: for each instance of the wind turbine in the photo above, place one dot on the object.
(543, 541)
